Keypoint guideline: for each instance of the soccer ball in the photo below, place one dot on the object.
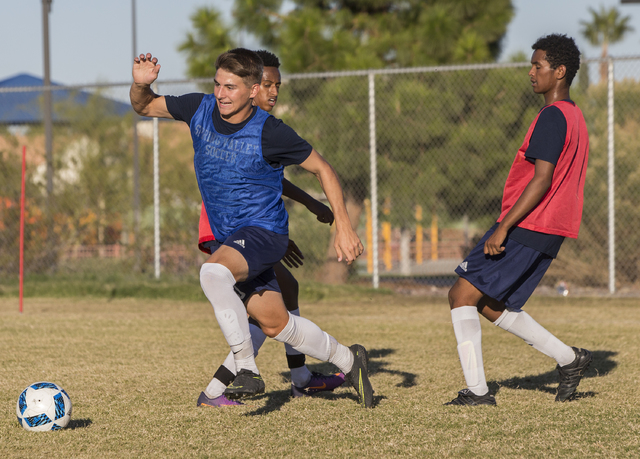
(43, 406)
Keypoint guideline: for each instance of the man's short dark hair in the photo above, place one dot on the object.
(243, 63)
(268, 58)
(560, 50)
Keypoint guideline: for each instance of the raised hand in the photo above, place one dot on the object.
(145, 69)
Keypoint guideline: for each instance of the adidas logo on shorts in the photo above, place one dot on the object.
(463, 266)
(240, 242)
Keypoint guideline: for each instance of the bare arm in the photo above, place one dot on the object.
(529, 198)
(143, 100)
(347, 243)
(322, 212)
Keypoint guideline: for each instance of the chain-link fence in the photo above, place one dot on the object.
(422, 154)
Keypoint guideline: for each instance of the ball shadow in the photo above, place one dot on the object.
(78, 424)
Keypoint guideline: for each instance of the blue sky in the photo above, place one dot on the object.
(90, 41)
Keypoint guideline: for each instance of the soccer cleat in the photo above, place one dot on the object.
(246, 383)
(203, 400)
(570, 375)
(466, 397)
(359, 375)
(318, 383)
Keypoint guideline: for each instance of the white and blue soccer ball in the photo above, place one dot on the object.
(43, 406)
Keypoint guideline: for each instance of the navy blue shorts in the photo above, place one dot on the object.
(264, 281)
(510, 277)
(261, 249)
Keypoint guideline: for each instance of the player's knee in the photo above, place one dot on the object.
(272, 324)
(452, 297)
(463, 294)
(276, 324)
(215, 273)
(273, 330)
(215, 278)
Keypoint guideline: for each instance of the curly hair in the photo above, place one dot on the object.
(243, 63)
(561, 50)
(268, 58)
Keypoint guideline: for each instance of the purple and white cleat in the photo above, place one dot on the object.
(217, 402)
(318, 383)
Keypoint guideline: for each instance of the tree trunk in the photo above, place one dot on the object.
(333, 272)
(604, 64)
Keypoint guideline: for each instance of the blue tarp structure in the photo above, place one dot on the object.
(25, 107)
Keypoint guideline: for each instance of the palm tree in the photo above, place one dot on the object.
(605, 27)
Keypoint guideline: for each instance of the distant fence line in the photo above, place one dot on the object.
(422, 154)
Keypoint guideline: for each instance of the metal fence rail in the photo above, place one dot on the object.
(422, 154)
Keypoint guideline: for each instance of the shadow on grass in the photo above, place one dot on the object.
(78, 424)
(601, 365)
(376, 365)
(277, 399)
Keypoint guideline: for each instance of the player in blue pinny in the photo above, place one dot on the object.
(240, 152)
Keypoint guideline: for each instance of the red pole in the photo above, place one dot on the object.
(24, 154)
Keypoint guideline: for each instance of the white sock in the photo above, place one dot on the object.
(307, 338)
(216, 387)
(217, 283)
(466, 327)
(524, 326)
(287, 347)
(300, 376)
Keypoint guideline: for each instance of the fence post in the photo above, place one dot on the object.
(156, 195)
(22, 210)
(611, 189)
(374, 177)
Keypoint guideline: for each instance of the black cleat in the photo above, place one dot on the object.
(570, 375)
(245, 384)
(466, 397)
(359, 375)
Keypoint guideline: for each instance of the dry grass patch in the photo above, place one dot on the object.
(134, 369)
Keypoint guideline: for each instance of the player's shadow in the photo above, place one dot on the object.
(377, 364)
(275, 401)
(601, 365)
(78, 424)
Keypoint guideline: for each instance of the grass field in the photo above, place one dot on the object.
(135, 367)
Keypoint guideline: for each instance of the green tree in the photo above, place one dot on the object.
(606, 27)
(93, 192)
(92, 158)
(35, 224)
(208, 40)
(322, 35)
